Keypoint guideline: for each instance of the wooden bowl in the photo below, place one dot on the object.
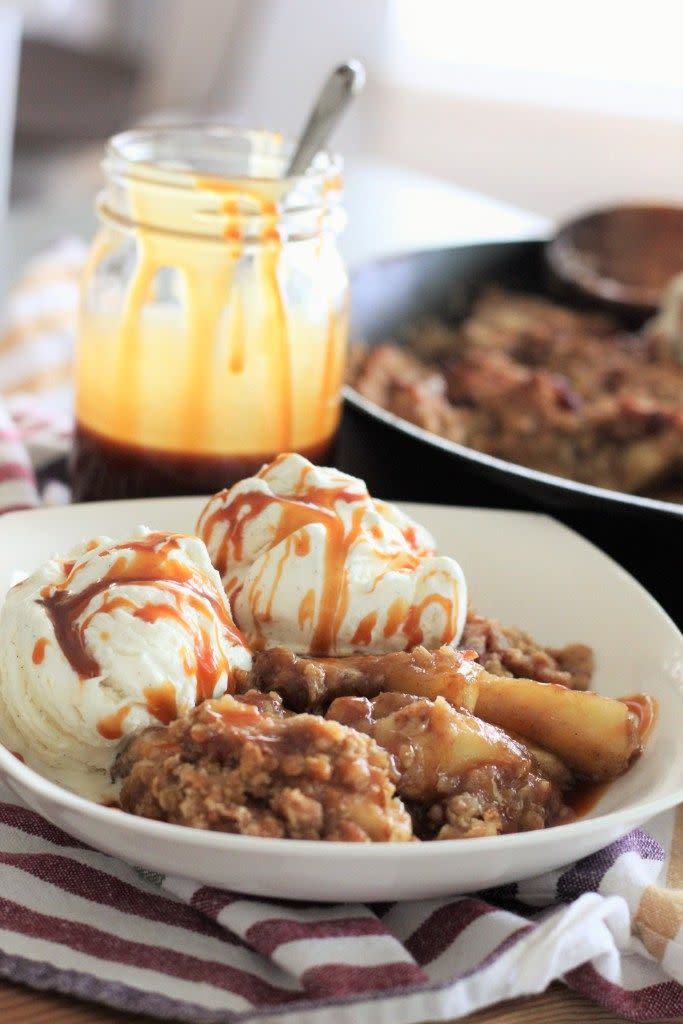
(620, 258)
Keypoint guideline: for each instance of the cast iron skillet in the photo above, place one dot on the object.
(399, 460)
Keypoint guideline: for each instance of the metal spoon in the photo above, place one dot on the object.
(341, 86)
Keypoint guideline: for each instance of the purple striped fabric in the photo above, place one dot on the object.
(17, 480)
(77, 921)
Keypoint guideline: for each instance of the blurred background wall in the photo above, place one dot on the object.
(552, 106)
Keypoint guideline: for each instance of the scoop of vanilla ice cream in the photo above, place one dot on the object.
(311, 562)
(105, 641)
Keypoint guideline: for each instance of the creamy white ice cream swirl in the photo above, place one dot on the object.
(105, 641)
(311, 562)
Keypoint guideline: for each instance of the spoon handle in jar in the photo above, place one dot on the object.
(339, 89)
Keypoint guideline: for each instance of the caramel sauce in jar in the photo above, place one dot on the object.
(214, 314)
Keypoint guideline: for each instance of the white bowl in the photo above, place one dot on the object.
(526, 569)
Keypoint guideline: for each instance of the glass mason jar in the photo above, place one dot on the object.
(214, 313)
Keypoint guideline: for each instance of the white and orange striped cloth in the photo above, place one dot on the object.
(36, 349)
(79, 922)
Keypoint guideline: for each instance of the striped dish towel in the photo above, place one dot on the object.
(18, 488)
(79, 922)
(36, 349)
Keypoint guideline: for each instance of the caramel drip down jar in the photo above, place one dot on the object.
(214, 314)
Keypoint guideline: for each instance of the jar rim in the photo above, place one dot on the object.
(271, 147)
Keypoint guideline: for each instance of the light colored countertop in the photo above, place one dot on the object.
(390, 209)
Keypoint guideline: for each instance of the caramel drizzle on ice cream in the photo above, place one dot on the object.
(38, 655)
(317, 505)
(161, 702)
(146, 562)
(111, 727)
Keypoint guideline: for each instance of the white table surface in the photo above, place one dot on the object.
(390, 209)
